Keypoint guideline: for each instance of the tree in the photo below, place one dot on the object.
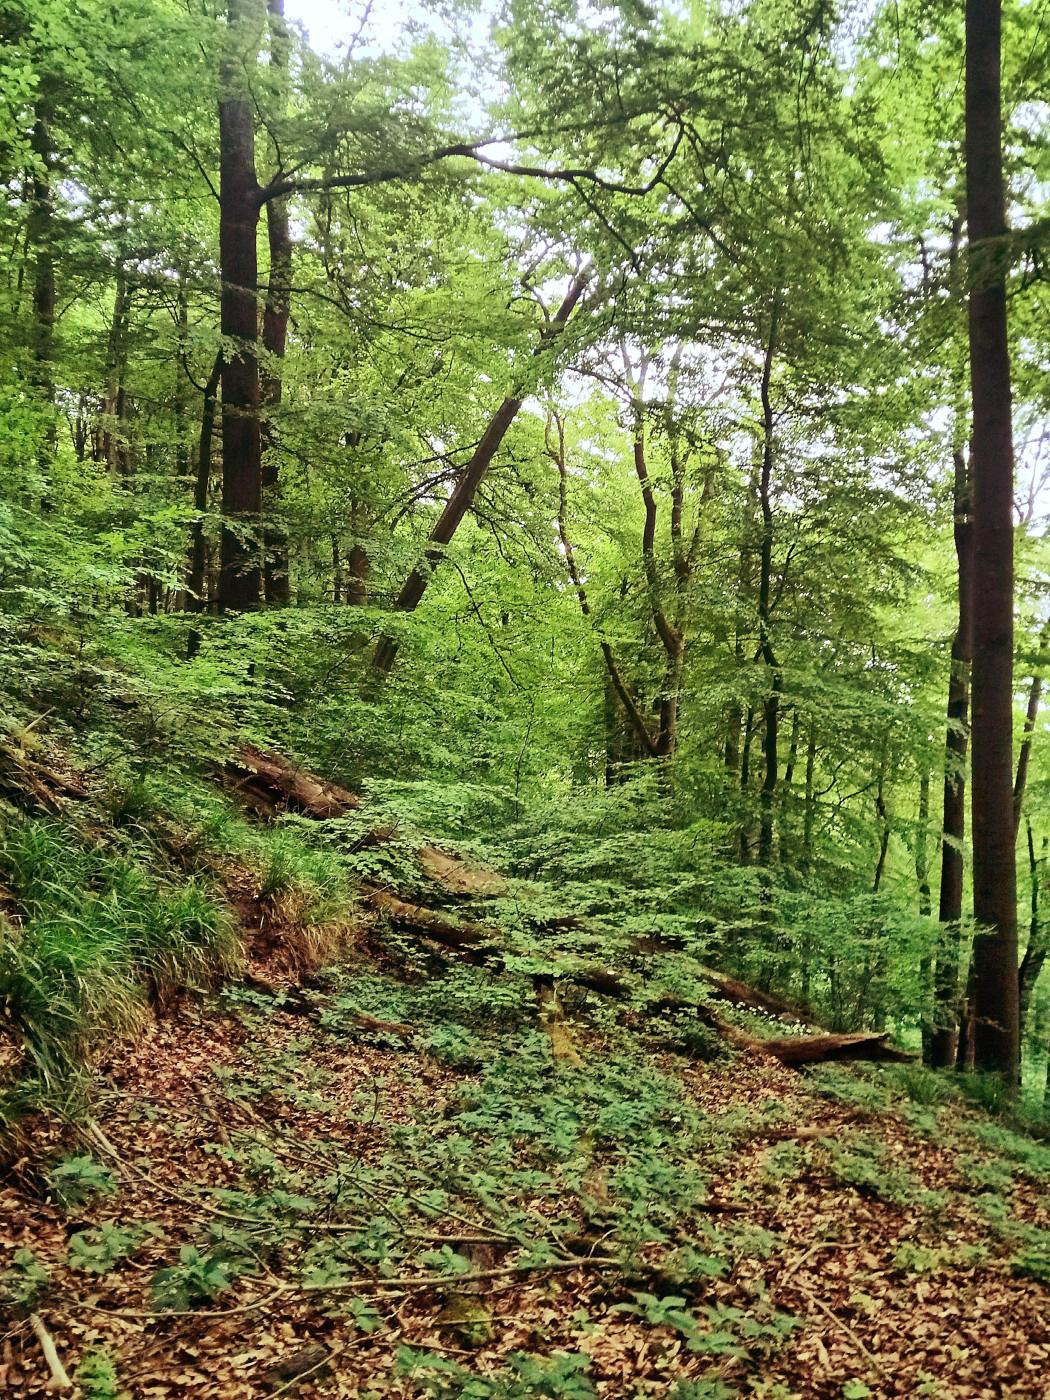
(995, 996)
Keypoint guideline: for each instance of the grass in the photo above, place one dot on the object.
(94, 936)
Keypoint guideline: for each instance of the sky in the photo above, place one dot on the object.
(331, 24)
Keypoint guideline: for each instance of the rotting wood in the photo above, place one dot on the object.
(793, 1050)
(269, 783)
(734, 990)
(432, 922)
(552, 1017)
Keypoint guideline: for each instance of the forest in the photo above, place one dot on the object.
(524, 620)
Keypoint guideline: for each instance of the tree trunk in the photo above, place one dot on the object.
(276, 581)
(1035, 695)
(1036, 951)
(197, 583)
(462, 497)
(240, 579)
(115, 450)
(922, 878)
(944, 1040)
(771, 703)
(994, 875)
(40, 237)
(556, 451)
(922, 867)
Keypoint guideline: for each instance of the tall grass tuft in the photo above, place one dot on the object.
(92, 937)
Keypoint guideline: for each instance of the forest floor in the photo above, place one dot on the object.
(277, 1199)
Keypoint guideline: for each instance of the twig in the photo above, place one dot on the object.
(804, 1258)
(847, 1331)
(51, 1356)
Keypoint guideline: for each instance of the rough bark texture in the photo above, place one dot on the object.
(240, 579)
(462, 497)
(994, 879)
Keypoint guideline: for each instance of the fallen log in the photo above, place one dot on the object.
(796, 1050)
(430, 922)
(298, 1002)
(457, 876)
(734, 990)
(270, 783)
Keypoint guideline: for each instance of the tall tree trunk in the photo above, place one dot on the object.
(883, 812)
(994, 874)
(771, 703)
(810, 809)
(276, 581)
(623, 692)
(922, 878)
(922, 865)
(1036, 951)
(115, 449)
(474, 473)
(40, 235)
(670, 635)
(240, 579)
(197, 582)
(1035, 695)
(944, 1040)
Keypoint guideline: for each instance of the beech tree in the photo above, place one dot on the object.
(995, 995)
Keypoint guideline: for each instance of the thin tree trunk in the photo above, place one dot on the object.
(922, 865)
(922, 877)
(810, 808)
(115, 451)
(884, 826)
(1036, 951)
(40, 238)
(994, 875)
(1035, 695)
(670, 636)
(771, 703)
(623, 692)
(240, 579)
(462, 497)
(197, 582)
(276, 581)
(944, 1041)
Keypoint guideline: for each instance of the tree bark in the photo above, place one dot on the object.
(771, 703)
(945, 1036)
(197, 583)
(462, 497)
(1036, 951)
(276, 580)
(40, 236)
(240, 578)
(994, 875)
(1035, 695)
